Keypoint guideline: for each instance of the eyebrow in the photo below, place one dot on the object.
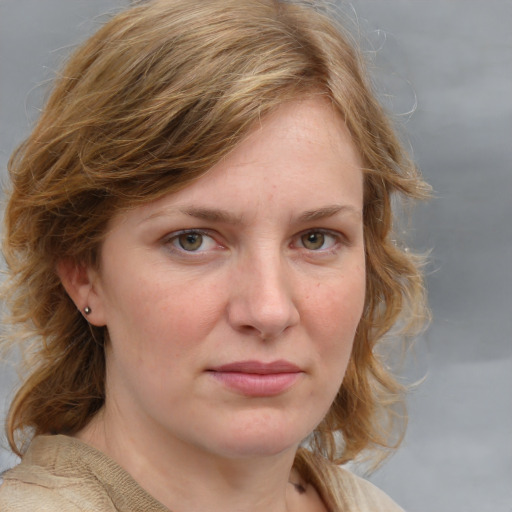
(329, 211)
(208, 214)
(212, 215)
(225, 217)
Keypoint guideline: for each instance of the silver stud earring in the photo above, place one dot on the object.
(87, 310)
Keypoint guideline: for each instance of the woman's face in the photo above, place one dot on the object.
(232, 305)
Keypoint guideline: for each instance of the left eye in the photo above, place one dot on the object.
(192, 241)
(317, 240)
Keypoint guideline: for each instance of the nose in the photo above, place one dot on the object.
(262, 301)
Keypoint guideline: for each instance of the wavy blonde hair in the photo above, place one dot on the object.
(147, 105)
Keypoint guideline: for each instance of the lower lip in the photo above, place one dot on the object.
(257, 385)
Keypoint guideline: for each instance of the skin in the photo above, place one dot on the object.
(273, 270)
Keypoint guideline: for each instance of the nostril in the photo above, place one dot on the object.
(262, 301)
(266, 321)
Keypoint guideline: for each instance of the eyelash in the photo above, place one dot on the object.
(174, 237)
(338, 239)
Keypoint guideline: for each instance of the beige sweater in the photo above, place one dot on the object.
(62, 474)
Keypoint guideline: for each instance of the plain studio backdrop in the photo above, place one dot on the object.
(444, 69)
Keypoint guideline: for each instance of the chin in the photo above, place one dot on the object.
(262, 440)
(253, 448)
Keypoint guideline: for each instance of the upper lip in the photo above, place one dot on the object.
(258, 367)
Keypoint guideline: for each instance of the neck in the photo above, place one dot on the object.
(185, 477)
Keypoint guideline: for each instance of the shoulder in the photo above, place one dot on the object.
(18, 495)
(340, 489)
(50, 479)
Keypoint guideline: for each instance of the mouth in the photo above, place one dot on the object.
(256, 378)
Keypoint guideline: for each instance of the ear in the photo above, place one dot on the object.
(82, 285)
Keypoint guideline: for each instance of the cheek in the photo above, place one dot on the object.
(335, 309)
(335, 306)
(158, 319)
(156, 327)
(333, 314)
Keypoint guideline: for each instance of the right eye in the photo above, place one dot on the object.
(191, 241)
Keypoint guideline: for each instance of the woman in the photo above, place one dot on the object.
(199, 243)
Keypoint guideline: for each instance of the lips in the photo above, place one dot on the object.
(256, 378)
(258, 367)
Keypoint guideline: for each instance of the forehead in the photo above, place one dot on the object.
(300, 157)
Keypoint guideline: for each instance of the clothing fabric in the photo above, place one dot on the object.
(62, 474)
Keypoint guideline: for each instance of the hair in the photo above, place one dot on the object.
(146, 106)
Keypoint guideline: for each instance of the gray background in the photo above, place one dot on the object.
(445, 69)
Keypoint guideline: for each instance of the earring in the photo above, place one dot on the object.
(87, 310)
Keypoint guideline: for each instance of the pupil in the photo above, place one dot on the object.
(191, 241)
(313, 240)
